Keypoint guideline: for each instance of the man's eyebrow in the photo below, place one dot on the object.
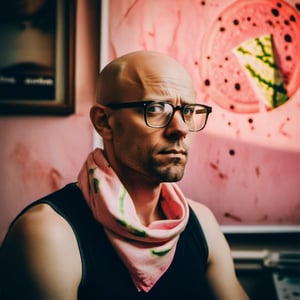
(182, 102)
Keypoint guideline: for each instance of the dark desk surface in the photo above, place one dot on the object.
(249, 251)
(258, 284)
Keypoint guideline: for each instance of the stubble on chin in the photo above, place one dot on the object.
(171, 172)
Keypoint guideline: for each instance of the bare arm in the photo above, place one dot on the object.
(221, 273)
(40, 258)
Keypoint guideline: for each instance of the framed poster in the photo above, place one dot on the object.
(37, 57)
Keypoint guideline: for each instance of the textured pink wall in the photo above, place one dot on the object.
(246, 167)
(40, 154)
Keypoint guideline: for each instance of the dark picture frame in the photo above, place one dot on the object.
(37, 67)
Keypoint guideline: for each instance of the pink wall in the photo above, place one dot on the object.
(40, 154)
(245, 166)
(246, 171)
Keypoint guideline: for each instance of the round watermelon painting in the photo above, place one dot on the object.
(251, 56)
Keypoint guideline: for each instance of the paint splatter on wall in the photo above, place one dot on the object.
(244, 58)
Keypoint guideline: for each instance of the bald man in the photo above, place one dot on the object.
(125, 229)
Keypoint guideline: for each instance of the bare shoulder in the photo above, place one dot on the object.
(41, 225)
(203, 213)
(37, 219)
(212, 230)
(197, 206)
(42, 247)
(219, 259)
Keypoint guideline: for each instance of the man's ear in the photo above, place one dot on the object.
(99, 119)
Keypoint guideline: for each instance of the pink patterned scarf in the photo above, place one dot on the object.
(147, 251)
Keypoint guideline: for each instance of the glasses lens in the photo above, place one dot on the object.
(195, 116)
(158, 114)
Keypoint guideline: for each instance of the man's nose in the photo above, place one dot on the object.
(177, 125)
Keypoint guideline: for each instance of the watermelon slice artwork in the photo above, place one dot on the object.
(258, 59)
(239, 81)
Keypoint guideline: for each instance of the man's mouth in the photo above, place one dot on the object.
(174, 151)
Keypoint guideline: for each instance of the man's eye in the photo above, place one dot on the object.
(188, 111)
(156, 108)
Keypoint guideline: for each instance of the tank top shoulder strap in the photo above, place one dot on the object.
(198, 234)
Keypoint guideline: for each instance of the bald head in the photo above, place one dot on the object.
(143, 75)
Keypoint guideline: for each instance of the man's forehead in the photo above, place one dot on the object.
(146, 74)
(150, 64)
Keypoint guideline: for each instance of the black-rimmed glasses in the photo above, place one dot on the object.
(160, 114)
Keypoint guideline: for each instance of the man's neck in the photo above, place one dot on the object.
(146, 201)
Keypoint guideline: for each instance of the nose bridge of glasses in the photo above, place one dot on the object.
(180, 109)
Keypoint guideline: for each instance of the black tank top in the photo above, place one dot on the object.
(104, 274)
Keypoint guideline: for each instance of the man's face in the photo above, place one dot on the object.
(155, 154)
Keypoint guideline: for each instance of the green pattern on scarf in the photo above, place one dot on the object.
(94, 180)
(160, 253)
(96, 185)
(132, 229)
(121, 200)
